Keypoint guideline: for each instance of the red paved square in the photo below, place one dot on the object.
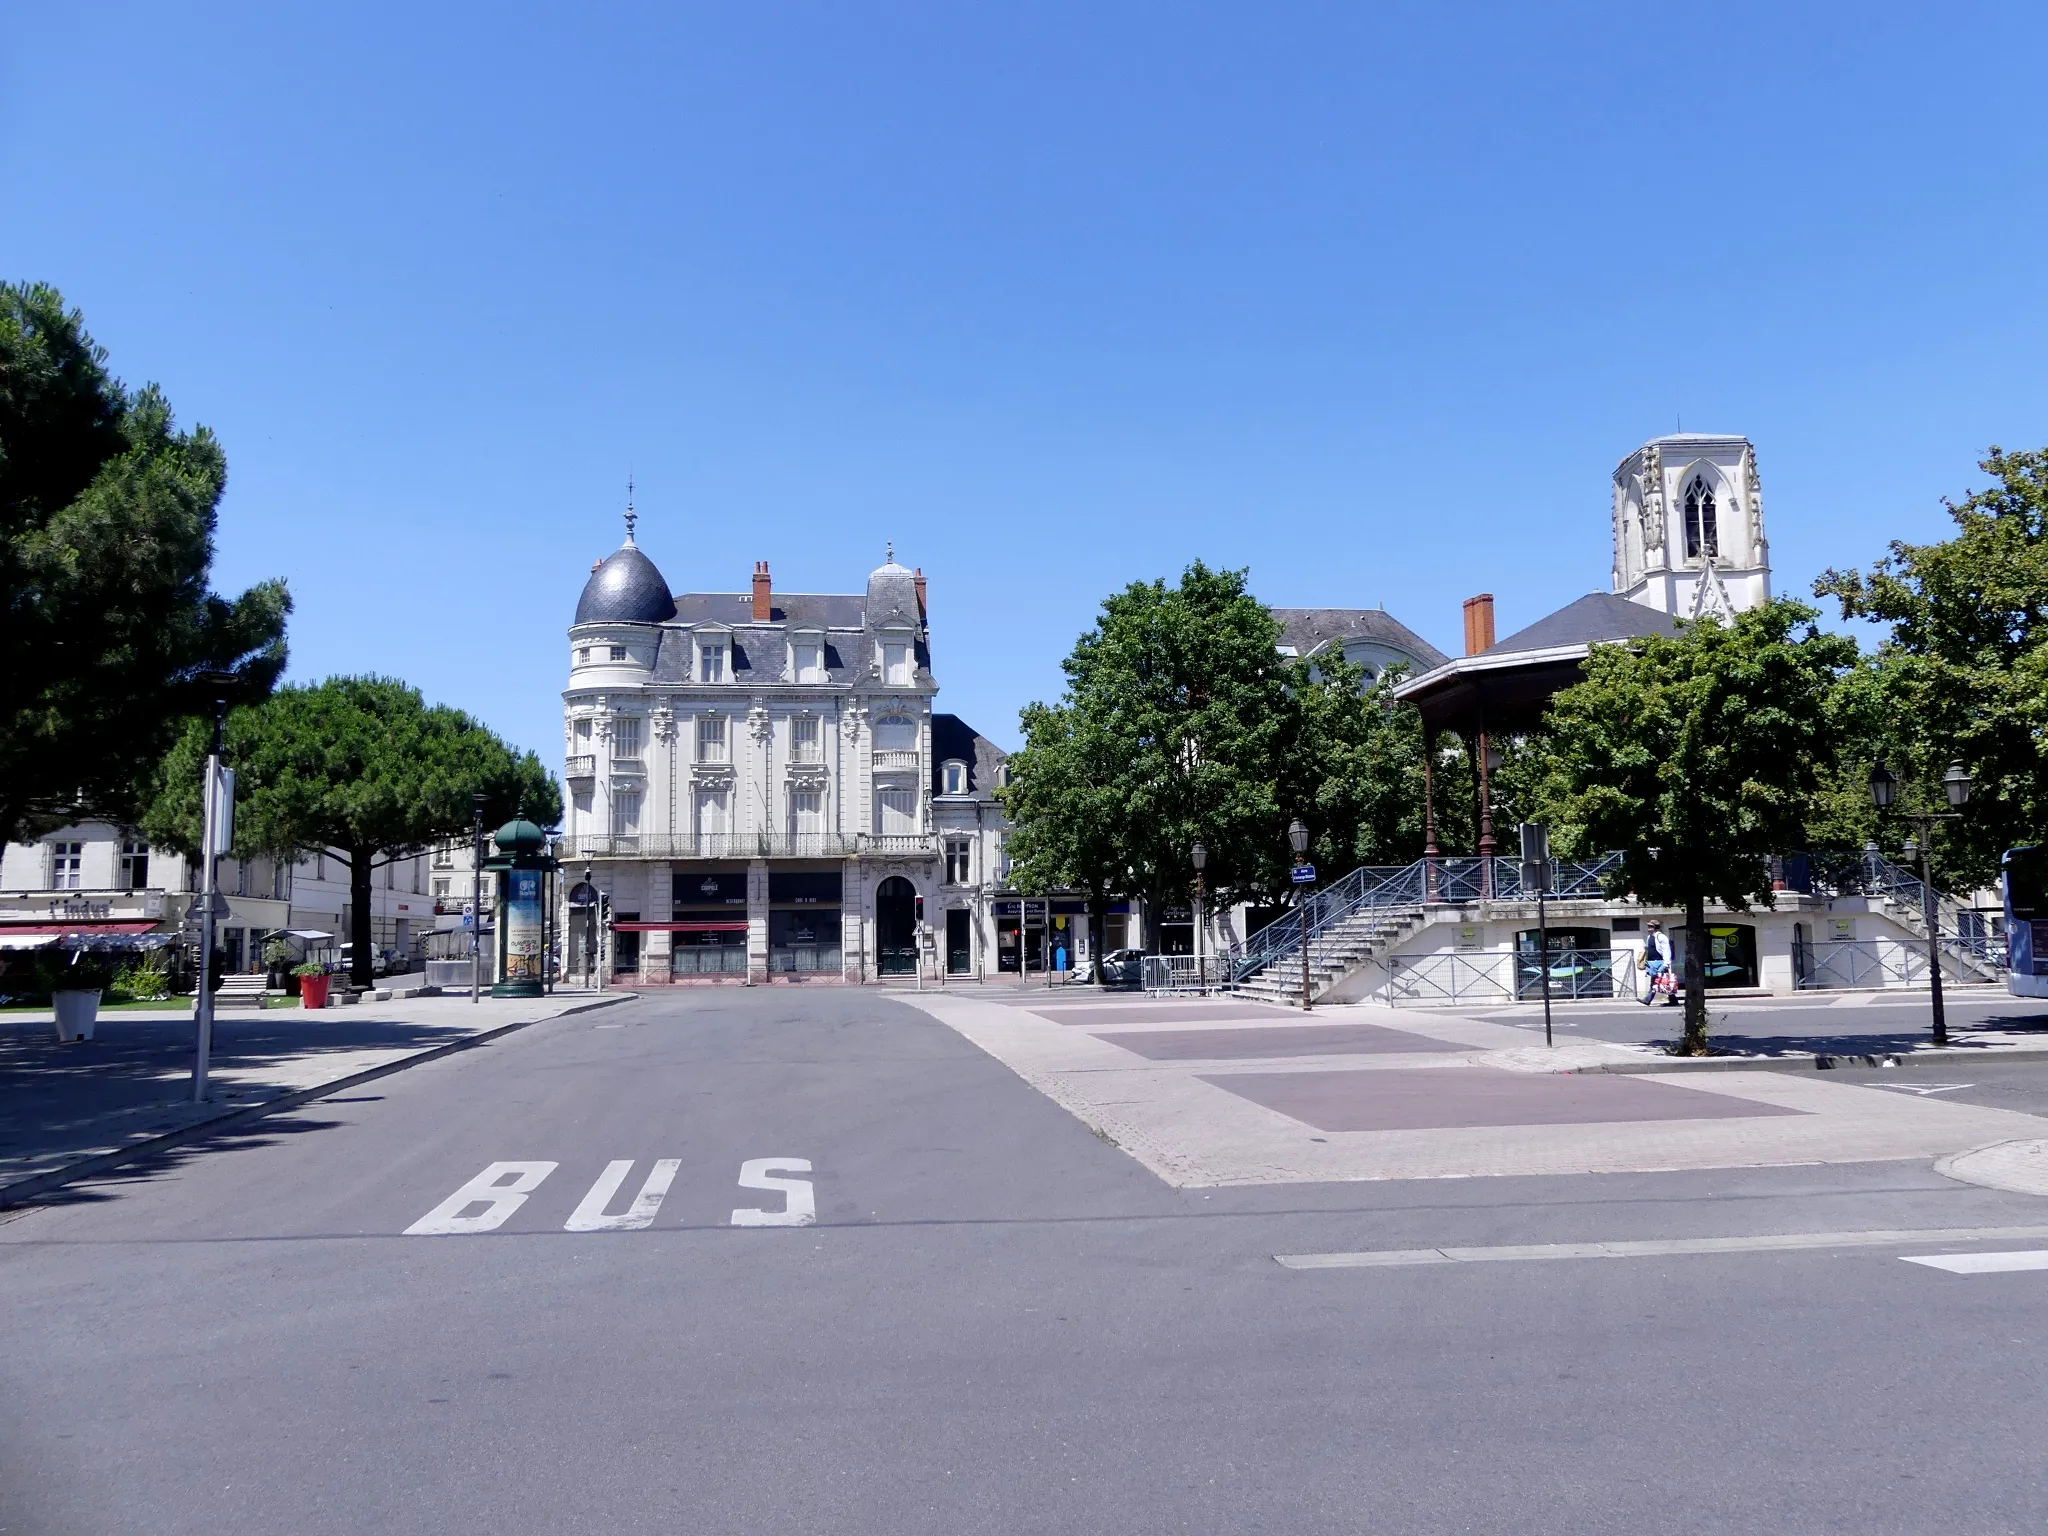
(1109, 1015)
(1274, 1040)
(1446, 1098)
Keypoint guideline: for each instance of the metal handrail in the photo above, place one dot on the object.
(1411, 887)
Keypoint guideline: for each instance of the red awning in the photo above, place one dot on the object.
(125, 925)
(728, 927)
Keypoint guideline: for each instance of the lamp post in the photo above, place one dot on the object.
(1955, 785)
(1297, 839)
(217, 809)
(1199, 857)
(476, 898)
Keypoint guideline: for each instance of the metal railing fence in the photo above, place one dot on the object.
(1411, 887)
(1452, 976)
(1863, 965)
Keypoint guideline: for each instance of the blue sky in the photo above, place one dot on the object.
(1369, 299)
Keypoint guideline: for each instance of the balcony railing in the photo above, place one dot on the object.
(896, 762)
(583, 766)
(747, 845)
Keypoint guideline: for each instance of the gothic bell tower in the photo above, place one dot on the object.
(1689, 526)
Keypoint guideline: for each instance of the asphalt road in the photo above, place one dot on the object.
(998, 1322)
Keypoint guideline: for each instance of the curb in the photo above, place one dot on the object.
(24, 1190)
(1820, 1063)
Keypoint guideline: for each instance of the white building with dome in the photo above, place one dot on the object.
(753, 783)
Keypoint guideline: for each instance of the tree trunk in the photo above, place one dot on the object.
(361, 964)
(1695, 1041)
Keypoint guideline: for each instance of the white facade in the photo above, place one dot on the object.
(750, 776)
(1689, 526)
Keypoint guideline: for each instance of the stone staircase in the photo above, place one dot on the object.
(1333, 954)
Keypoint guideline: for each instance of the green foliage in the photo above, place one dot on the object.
(78, 970)
(361, 766)
(1698, 756)
(309, 968)
(1181, 722)
(107, 517)
(1963, 674)
(144, 979)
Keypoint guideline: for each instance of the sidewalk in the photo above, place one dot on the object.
(70, 1109)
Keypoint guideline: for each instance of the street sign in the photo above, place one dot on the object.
(1304, 874)
(469, 914)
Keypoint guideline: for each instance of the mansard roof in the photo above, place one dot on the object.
(954, 740)
(1309, 630)
(815, 610)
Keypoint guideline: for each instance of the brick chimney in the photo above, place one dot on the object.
(764, 606)
(1478, 623)
(920, 591)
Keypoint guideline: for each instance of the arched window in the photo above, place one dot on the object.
(1701, 536)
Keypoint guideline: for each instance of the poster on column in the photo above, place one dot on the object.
(522, 925)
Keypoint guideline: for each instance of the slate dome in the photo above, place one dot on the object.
(625, 589)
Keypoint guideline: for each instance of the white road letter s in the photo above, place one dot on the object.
(800, 1206)
(499, 1200)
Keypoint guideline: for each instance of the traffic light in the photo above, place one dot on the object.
(920, 908)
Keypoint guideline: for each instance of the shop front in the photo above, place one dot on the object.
(804, 915)
(708, 921)
(1035, 934)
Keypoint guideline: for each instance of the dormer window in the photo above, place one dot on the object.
(711, 662)
(896, 664)
(953, 776)
(807, 661)
(1702, 537)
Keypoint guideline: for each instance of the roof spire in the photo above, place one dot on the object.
(892, 553)
(632, 517)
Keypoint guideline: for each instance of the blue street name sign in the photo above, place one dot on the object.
(1304, 874)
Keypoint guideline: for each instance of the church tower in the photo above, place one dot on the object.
(1689, 526)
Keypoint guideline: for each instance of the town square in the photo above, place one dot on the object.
(1064, 770)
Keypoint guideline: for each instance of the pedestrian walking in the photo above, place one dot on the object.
(1657, 967)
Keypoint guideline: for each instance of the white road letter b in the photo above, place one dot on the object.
(800, 1207)
(499, 1200)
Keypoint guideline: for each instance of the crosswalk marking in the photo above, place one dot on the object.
(589, 1215)
(1982, 1263)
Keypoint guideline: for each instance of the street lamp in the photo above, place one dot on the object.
(1199, 857)
(476, 898)
(1297, 839)
(1955, 785)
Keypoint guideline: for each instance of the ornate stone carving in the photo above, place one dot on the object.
(852, 722)
(1753, 485)
(759, 723)
(1653, 498)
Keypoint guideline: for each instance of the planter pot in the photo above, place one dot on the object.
(313, 991)
(77, 1013)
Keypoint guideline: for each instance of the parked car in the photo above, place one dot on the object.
(1123, 968)
(344, 959)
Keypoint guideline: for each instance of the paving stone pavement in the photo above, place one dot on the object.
(1408, 1109)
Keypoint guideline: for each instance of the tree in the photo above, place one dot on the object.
(1963, 674)
(107, 518)
(1182, 722)
(1698, 756)
(361, 766)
